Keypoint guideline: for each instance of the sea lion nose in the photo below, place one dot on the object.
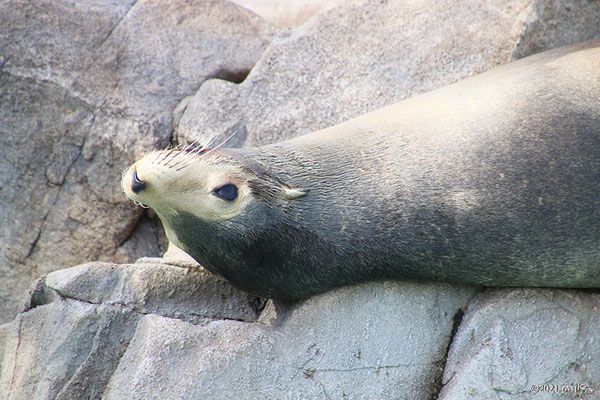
(136, 184)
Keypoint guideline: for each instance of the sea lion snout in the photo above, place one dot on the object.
(136, 184)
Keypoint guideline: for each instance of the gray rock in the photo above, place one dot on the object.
(289, 13)
(39, 294)
(526, 344)
(87, 88)
(161, 52)
(79, 322)
(358, 57)
(147, 239)
(382, 340)
(62, 351)
(172, 359)
(191, 294)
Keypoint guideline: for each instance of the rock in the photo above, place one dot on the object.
(525, 344)
(161, 52)
(376, 340)
(79, 322)
(87, 88)
(39, 294)
(290, 13)
(382, 340)
(65, 350)
(172, 359)
(190, 294)
(147, 239)
(356, 58)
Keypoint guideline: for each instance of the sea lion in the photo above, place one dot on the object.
(493, 181)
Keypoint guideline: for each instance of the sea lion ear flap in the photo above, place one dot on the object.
(290, 193)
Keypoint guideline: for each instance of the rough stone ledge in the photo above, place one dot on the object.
(191, 294)
(376, 340)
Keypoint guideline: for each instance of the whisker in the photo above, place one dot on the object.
(158, 155)
(137, 203)
(221, 144)
(211, 139)
(199, 147)
(185, 165)
(167, 155)
(189, 146)
(201, 154)
(188, 153)
(181, 151)
(179, 162)
(197, 150)
(191, 159)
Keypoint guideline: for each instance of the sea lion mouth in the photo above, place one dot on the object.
(137, 203)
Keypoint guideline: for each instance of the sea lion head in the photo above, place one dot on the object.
(223, 208)
(213, 187)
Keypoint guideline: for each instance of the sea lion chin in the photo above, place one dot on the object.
(490, 181)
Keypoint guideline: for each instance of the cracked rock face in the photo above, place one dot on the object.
(359, 342)
(82, 319)
(182, 333)
(514, 342)
(85, 89)
(189, 293)
(64, 350)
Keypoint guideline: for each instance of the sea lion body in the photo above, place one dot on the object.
(493, 181)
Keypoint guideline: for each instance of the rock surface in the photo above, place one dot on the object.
(354, 59)
(64, 350)
(526, 344)
(189, 293)
(289, 13)
(85, 89)
(81, 320)
(364, 341)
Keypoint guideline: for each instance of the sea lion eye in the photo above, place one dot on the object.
(227, 192)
